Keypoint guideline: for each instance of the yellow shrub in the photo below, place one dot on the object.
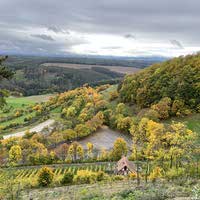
(132, 176)
(85, 176)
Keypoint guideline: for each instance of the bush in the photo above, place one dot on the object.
(126, 194)
(100, 176)
(113, 95)
(175, 173)
(132, 176)
(155, 174)
(85, 176)
(117, 178)
(67, 178)
(45, 176)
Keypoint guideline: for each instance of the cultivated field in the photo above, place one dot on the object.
(8, 117)
(58, 169)
(119, 69)
(20, 101)
(104, 138)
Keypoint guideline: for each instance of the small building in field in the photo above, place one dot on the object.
(124, 166)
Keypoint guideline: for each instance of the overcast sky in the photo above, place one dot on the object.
(100, 27)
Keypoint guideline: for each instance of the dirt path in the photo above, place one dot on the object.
(37, 128)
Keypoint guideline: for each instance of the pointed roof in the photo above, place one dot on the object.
(125, 162)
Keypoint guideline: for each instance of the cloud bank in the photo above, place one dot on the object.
(114, 27)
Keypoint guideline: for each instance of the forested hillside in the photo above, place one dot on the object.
(33, 78)
(174, 84)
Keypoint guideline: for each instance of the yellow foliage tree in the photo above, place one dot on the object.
(15, 154)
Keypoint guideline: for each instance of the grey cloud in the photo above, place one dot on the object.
(129, 36)
(43, 37)
(113, 47)
(56, 29)
(176, 43)
(152, 19)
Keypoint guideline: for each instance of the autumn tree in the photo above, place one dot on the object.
(124, 123)
(45, 176)
(80, 152)
(121, 109)
(4, 74)
(119, 149)
(155, 174)
(72, 151)
(15, 154)
(178, 142)
(104, 155)
(138, 132)
(61, 151)
(82, 130)
(163, 108)
(90, 147)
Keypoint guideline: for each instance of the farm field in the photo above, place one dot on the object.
(119, 69)
(27, 176)
(58, 169)
(104, 138)
(20, 101)
(16, 111)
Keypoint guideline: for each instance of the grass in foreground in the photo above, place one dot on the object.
(120, 190)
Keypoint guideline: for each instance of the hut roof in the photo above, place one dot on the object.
(125, 162)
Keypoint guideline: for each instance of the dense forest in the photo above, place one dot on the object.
(41, 80)
(173, 84)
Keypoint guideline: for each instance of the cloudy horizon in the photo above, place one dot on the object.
(106, 28)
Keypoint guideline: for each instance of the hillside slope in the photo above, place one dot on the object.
(178, 79)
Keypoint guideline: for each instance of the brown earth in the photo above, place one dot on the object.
(119, 69)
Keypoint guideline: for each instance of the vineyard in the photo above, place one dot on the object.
(32, 172)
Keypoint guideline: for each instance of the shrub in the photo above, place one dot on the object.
(118, 178)
(174, 173)
(45, 176)
(28, 118)
(67, 178)
(126, 194)
(155, 174)
(113, 95)
(100, 176)
(85, 176)
(132, 176)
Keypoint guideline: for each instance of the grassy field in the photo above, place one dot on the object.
(17, 102)
(192, 122)
(118, 190)
(22, 103)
